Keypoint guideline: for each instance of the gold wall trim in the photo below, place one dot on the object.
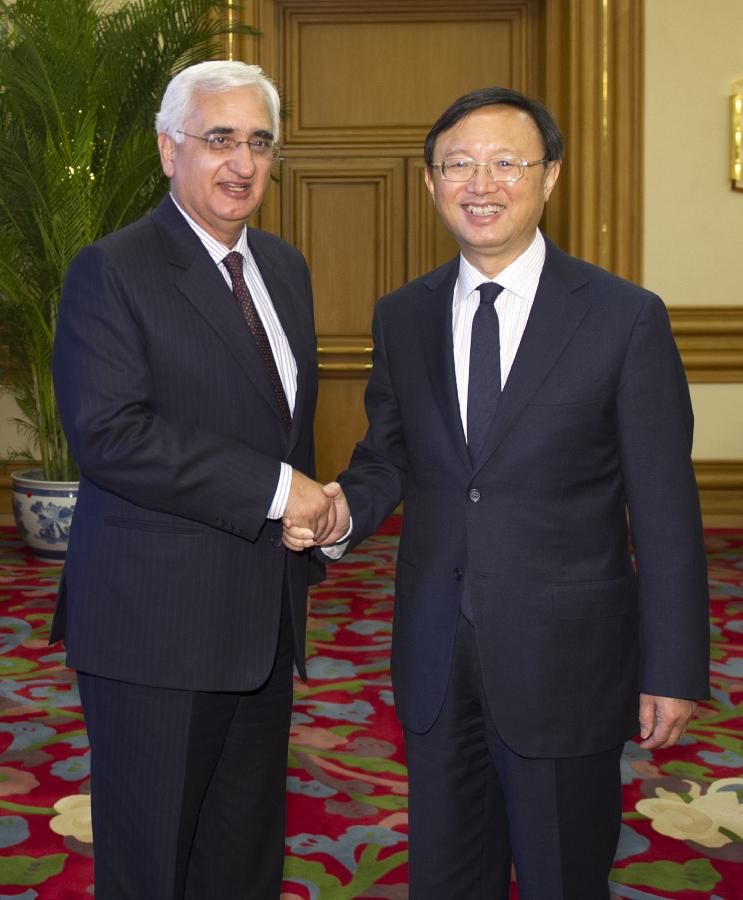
(720, 481)
(720, 486)
(344, 356)
(593, 82)
(710, 340)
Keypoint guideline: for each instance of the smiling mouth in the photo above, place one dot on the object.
(482, 211)
(233, 186)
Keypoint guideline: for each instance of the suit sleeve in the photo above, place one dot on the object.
(655, 425)
(120, 441)
(374, 482)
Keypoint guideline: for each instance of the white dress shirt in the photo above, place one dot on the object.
(285, 362)
(519, 281)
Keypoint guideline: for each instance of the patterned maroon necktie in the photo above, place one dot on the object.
(234, 264)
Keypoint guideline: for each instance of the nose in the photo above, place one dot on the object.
(481, 182)
(241, 160)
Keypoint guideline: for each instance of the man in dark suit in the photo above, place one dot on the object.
(186, 377)
(527, 406)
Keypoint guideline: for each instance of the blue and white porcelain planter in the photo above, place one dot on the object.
(43, 512)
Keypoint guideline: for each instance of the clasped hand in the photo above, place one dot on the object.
(316, 515)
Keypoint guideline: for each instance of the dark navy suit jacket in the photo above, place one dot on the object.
(594, 420)
(174, 576)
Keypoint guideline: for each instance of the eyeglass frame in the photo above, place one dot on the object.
(273, 155)
(523, 165)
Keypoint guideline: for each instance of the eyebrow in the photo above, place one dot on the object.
(501, 151)
(228, 129)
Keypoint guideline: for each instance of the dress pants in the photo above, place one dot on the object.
(189, 788)
(476, 806)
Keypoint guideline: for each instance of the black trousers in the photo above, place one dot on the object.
(189, 788)
(476, 806)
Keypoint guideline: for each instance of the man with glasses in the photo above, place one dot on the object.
(524, 404)
(186, 376)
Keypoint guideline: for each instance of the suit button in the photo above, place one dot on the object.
(473, 494)
(276, 541)
(458, 573)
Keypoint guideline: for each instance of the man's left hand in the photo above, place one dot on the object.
(663, 720)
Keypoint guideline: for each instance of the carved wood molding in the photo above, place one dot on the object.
(377, 184)
(344, 356)
(720, 481)
(593, 83)
(720, 486)
(327, 109)
(710, 340)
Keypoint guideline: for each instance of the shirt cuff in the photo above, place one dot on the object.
(280, 498)
(335, 551)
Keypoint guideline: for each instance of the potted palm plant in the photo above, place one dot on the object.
(80, 82)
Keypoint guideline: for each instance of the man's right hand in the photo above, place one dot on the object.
(298, 536)
(309, 507)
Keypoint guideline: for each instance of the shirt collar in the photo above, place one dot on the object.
(521, 277)
(216, 249)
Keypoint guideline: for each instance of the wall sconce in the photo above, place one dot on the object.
(736, 136)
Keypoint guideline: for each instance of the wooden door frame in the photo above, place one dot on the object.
(594, 83)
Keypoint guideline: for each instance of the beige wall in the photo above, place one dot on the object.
(718, 410)
(693, 226)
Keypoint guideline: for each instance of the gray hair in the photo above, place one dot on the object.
(215, 76)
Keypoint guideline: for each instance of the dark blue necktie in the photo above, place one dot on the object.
(484, 385)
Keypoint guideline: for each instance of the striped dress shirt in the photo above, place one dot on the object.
(282, 353)
(520, 280)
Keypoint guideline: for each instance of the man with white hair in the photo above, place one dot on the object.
(186, 377)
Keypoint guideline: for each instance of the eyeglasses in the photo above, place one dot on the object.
(504, 168)
(261, 148)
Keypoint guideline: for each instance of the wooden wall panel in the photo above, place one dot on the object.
(361, 89)
(348, 218)
(340, 422)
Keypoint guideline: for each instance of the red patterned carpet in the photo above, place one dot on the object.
(682, 835)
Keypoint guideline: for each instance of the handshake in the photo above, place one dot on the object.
(315, 515)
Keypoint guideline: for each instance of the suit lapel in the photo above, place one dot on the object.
(559, 306)
(433, 321)
(203, 286)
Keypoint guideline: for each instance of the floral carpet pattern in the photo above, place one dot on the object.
(682, 834)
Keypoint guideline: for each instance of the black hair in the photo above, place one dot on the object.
(552, 138)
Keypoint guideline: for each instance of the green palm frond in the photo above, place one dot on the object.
(80, 83)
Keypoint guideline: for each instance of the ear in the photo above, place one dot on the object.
(167, 147)
(428, 178)
(550, 178)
